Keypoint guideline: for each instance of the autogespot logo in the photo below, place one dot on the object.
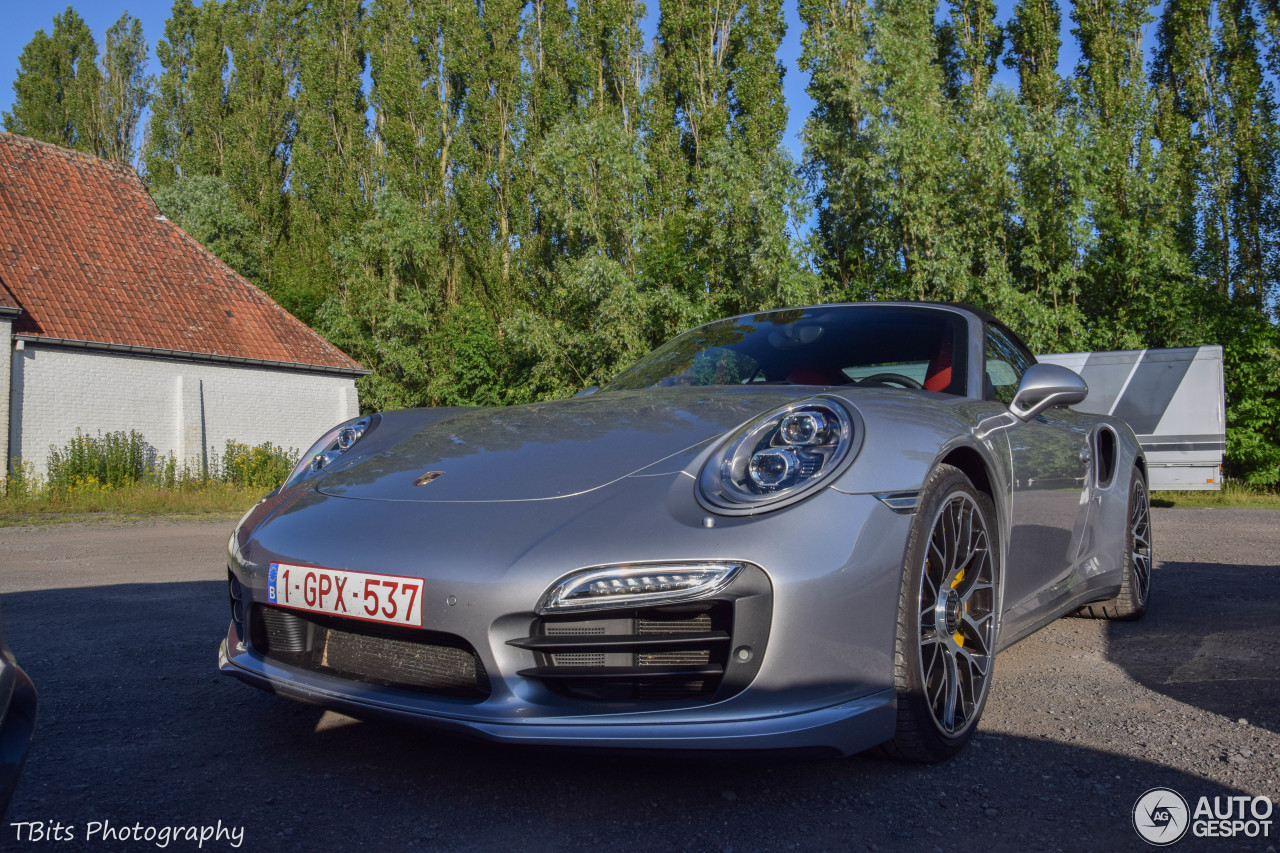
(1161, 816)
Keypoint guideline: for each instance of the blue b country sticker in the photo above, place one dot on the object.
(271, 582)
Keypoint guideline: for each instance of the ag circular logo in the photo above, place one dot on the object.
(1161, 816)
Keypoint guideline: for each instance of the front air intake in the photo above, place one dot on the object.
(701, 651)
(406, 658)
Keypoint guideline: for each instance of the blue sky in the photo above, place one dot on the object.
(23, 19)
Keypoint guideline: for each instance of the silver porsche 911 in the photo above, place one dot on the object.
(807, 528)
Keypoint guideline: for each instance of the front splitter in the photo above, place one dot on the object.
(845, 728)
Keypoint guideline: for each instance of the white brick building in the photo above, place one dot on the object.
(114, 319)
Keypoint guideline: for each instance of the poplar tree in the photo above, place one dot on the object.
(1134, 291)
(330, 165)
(591, 306)
(169, 130)
(839, 144)
(191, 104)
(261, 119)
(487, 174)
(970, 46)
(1049, 231)
(124, 91)
(57, 84)
(733, 197)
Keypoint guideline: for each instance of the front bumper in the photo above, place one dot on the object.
(824, 680)
(845, 728)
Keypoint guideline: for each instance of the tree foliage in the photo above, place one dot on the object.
(508, 200)
(65, 95)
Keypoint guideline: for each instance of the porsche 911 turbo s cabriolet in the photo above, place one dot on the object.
(804, 528)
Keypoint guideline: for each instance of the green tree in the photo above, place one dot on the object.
(125, 90)
(390, 313)
(57, 84)
(970, 44)
(190, 104)
(223, 109)
(205, 208)
(488, 179)
(839, 143)
(330, 166)
(1049, 231)
(587, 317)
(728, 200)
(1135, 291)
(890, 222)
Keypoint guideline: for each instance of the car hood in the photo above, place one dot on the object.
(542, 451)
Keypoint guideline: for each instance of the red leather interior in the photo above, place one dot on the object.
(938, 376)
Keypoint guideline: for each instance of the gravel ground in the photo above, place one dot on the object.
(119, 626)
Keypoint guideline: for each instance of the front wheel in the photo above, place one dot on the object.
(947, 614)
(1135, 579)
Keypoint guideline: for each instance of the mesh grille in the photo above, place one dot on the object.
(616, 656)
(555, 629)
(578, 659)
(402, 663)
(395, 657)
(700, 624)
(683, 657)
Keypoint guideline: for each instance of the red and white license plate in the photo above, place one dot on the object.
(392, 599)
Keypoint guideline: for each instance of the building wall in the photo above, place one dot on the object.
(180, 407)
(6, 344)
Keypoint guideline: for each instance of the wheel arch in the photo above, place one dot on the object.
(987, 478)
(970, 461)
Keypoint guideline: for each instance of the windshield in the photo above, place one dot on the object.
(885, 346)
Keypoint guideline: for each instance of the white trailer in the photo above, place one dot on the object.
(1173, 399)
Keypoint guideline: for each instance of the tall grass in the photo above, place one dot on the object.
(1232, 494)
(120, 472)
(112, 460)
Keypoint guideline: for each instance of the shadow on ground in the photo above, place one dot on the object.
(1209, 639)
(137, 726)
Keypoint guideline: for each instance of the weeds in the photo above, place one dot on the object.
(120, 472)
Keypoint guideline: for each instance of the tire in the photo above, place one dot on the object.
(942, 676)
(1135, 580)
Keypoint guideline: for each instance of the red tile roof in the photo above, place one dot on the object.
(86, 255)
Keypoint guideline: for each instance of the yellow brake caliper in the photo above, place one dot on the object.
(957, 636)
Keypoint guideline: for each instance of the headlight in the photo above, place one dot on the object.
(643, 585)
(779, 457)
(331, 445)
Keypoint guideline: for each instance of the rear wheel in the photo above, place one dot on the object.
(947, 614)
(1135, 580)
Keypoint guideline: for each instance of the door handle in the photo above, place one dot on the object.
(1086, 454)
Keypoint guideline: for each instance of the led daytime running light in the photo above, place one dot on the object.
(607, 587)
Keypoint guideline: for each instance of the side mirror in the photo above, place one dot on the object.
(1046, 385)
(587, 392)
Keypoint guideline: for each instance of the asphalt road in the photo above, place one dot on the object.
(119, 625)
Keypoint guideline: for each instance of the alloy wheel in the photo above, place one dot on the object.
(957, 614)
(1140, 528)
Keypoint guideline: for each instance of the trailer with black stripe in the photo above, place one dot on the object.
(1173, 399)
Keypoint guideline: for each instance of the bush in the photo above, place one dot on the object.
(121, 461)
(264, 467)
(1253, 404)
(111, 461)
